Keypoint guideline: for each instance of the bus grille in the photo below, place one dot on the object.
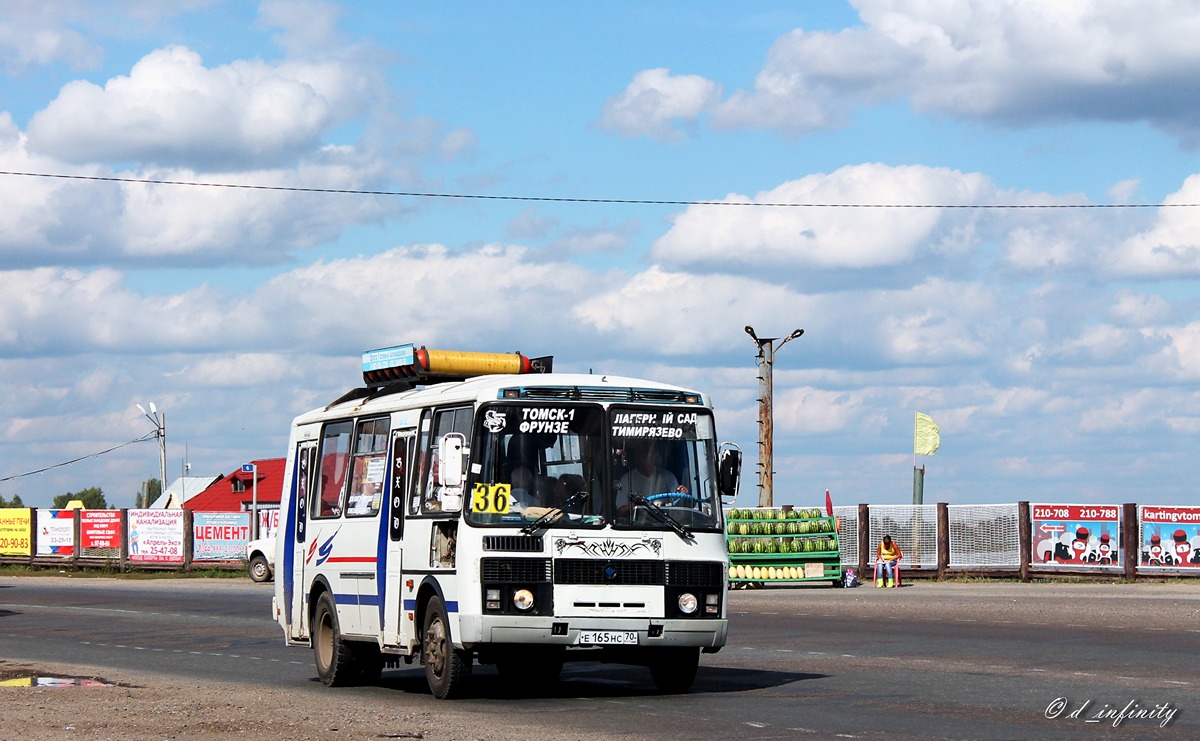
(706, 574)
(514, 570)
(513, 543)
(584, 571)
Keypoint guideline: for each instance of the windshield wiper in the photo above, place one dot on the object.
(555, 514)
(662, 515)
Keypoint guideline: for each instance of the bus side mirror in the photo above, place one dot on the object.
(729, 470)
(450, 459)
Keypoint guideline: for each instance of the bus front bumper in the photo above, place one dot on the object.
(708, 634)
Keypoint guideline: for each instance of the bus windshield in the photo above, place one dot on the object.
(527, 460)
(530, 459)
(663, 460)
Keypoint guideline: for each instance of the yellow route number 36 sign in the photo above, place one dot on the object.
(491, 498)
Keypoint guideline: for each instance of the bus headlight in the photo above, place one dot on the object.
(523, 600)
(711, 604)
(688, 603)
(491, 599)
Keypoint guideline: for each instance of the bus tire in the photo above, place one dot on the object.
(674, 669)
(260, 570)
(447, 669)
(334, 657)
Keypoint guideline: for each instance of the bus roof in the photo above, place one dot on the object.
(538, 387)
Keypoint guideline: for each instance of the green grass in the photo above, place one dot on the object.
(94, 572)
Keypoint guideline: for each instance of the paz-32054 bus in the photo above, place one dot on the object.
(473, 507)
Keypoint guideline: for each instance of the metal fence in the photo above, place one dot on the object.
(912, 526)
(984, 535)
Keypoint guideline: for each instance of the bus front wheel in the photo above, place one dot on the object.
(447, 669)
(333, 656)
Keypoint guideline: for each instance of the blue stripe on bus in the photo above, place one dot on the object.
(411, 604)
(356, 599)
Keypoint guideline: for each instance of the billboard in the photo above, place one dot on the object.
(1087, 535)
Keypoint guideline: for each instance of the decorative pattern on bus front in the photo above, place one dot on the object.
(608, 548)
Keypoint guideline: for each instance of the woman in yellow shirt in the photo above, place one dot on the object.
(886, 556)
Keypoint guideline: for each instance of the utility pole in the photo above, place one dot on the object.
(766, 453)
(159, 419)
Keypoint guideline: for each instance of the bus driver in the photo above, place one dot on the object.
(646, 476)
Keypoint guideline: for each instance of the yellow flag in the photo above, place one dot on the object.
(926, 436)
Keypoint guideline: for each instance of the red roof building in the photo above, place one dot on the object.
(234, 492)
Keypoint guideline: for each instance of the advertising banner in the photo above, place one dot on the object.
(16, 535)
(1170, 536)
(1076, 534)
(156, 535)
(268, 520)
(56, 532)
(220, 536)
(100, 528)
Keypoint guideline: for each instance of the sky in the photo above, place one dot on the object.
(987, 212)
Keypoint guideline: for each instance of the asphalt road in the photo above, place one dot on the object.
(979, 661)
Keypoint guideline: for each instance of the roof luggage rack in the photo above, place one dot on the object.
(407, 367)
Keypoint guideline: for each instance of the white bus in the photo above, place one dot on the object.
(474, 507)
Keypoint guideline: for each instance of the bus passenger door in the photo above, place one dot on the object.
(305, 466)
(393, 595)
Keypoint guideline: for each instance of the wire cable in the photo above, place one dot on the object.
(562, 199)
(148, 436)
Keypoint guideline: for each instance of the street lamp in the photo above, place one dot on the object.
(766, 453)
(159, 419)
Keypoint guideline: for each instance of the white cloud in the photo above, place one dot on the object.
(736, 238)
(1139, 309)
(172, 110)
(1006, 61)
(678, 313)
(655, 101)
(1171, 249)
(35, 33)
(308, 26)
(60, 221)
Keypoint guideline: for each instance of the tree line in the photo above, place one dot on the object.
(92, 497)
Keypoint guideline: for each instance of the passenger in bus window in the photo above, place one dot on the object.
(569, 485)
(522, 494)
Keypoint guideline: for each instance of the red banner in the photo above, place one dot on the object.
(100, 528)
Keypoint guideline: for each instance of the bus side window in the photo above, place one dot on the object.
(369, 468)
(435, 496)
(422, 464)
(334, 461)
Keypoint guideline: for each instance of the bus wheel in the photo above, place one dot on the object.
(335, 660)
(674, 669)
(447, 669)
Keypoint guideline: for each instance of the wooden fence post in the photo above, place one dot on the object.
(33, 531)
(943, 539)
(77, 545)
(124, 540)
(189, 543)
(1024, 539)
(864, 541)
(1130, 547)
